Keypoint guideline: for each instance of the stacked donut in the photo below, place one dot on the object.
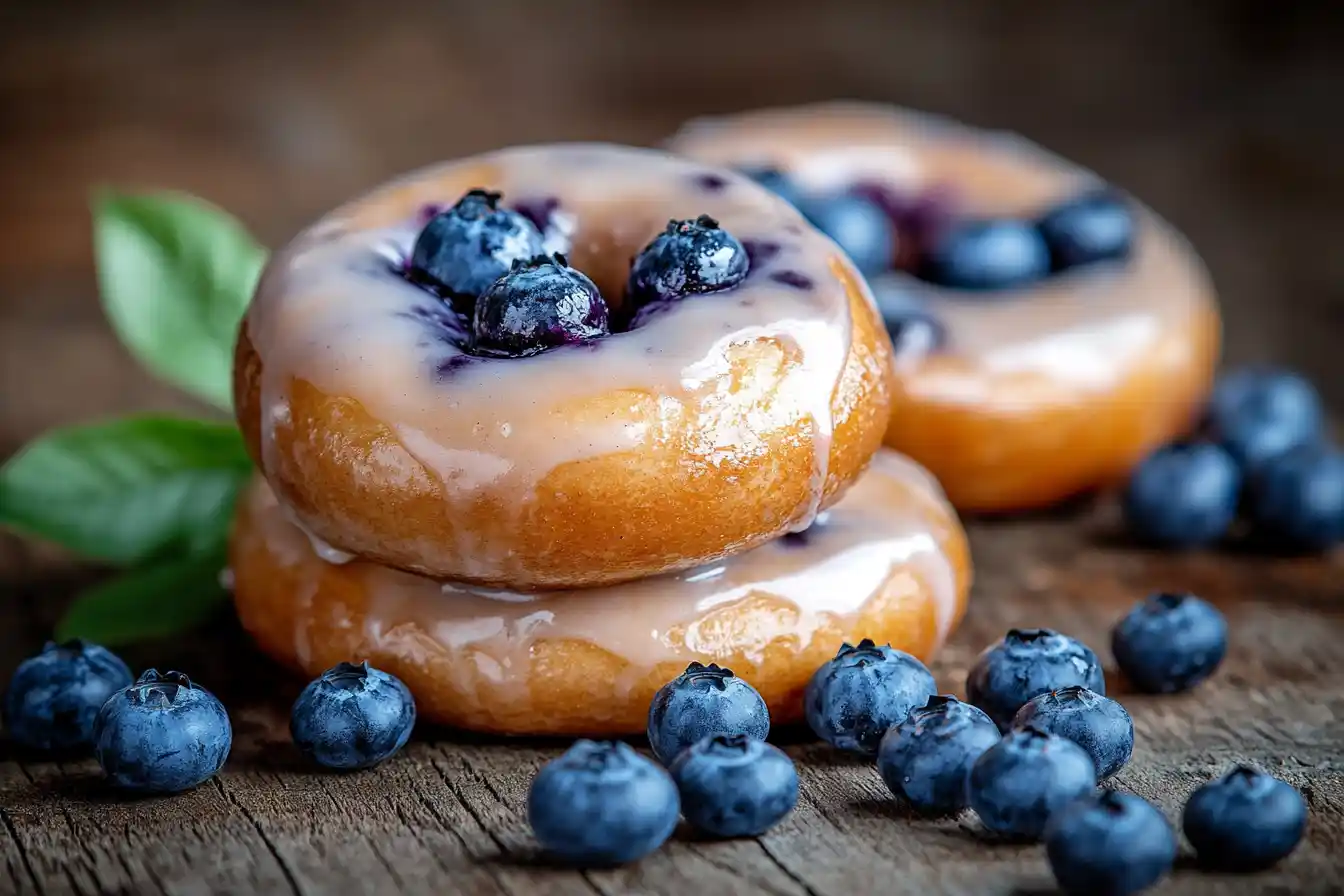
(538, 428)
(1051, 332)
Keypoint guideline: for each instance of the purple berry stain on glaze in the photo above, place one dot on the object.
(538, 211)
(710, 182)
(795, 279)
(760, 252)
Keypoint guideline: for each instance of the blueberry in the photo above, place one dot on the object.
(776, 182)
(1017, 784)
(734, 785)
(925, 759)
(162, 734)
(352, 716)
(986, 255)
(1026, 663)
(854, 698)
(858, 226)
(912, 326)
(1182, 496)
(463, 250)
(1244, 821)
(1296, 499)
(1097, 226)
(602, 804)
(1098, 724)
(688, 257)
(1110, 844)
(1169, 643)
(54, 697)
(702, 701)
(540, 304)
(1258, 412)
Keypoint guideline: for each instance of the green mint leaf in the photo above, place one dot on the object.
(176, 274)
(152, 601)
(129, 490)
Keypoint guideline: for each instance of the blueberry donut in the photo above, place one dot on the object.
(1050, 331)
(561, 366)
(888, 562)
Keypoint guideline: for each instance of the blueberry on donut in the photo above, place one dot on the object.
(1051, 331)
(426, 385)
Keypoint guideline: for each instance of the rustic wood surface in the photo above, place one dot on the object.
(1220, 115)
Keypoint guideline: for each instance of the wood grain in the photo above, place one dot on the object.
(1218, 115)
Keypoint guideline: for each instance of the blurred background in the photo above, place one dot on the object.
(1224, 116)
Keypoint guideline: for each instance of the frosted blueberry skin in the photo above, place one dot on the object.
(1109, 844)
(1296, 499)
(734, 785)
(914, 329)
(854, 698)
(1257, 413)
(540, 304)
(1025, 664)
(1169, 643)
(162, 734)
(54, 697)
(464, 249)
(1244, 821)
(1096, 226)
(1183, 496)
(1017, 784)
(701, 702)
(925, 759)
(986, 256)
(601, 803)
(860, 227)
(1098, 724)
(688, 258)
(352, 717)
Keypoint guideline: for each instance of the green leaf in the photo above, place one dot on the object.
(153, 601)
(129, 490)
(176, 275)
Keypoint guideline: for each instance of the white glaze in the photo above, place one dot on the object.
(331, 311)
(1087, 328)
(893, 521)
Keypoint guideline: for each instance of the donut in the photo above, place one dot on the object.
(888, 562)
(1050, 331)
(707, 371)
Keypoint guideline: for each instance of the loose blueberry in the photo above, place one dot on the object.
(1098, 724)
(1182, 496)
(54, 697)
(987, 255)
(687, 258)
(1169, 643)
(858, 226)
(914, 329)
(1244, 821)
(602, 804)
(776, 182)
(1017, 784)
(1257, 413)
(1296, 499)
(700, 702)
(735, 786)
(1110, 844)
(854, 698)
(1097, 226)
(162, 734)
(463, 250)
(539, 304)
(352, 716)
(1027, 663)
(925, 759)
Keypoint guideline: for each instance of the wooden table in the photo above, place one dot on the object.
(278, 111)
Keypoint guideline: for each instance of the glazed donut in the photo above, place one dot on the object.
(1057, 378)
(888, 562)
(670, 425)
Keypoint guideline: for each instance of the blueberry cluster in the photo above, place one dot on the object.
(882, 230)
(504, 272)
(1262, 456)
(163, 733)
